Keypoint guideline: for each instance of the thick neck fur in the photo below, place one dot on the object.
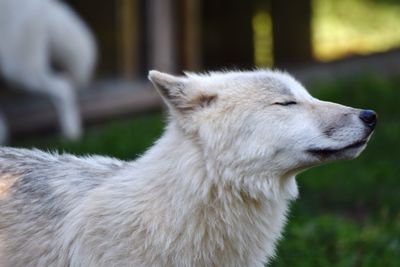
(172, 205)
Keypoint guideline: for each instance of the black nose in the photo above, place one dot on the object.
(369, 117)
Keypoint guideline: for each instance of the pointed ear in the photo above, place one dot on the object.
(170, 87)
(176, 93)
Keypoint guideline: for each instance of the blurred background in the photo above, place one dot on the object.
(345, 51)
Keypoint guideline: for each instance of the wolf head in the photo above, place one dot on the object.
(263, 121)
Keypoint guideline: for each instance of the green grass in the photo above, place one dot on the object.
(122, 138)
(348, 213)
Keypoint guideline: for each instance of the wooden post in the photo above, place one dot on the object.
(190, 19)
(161, 46)
(128, 38)
(291, 27)
(227, 34)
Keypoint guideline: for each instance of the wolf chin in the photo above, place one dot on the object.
(214, 190)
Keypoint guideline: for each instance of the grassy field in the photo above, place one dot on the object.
(348, 213)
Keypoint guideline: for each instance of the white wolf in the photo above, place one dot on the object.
(213, 190)
(37, 35)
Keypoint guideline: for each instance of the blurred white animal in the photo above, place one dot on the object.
(37, 35)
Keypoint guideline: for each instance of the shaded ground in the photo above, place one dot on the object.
(348, 213)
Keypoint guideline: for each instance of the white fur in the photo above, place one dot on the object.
(213, 191)
(34, 35)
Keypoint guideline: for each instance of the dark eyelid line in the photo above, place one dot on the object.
(287, 103)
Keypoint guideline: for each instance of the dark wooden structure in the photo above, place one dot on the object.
(135, 36)
(291, 29)
(227, 37)
(170, 35)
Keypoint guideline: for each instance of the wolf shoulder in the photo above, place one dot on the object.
(33, 168)
(24, 159)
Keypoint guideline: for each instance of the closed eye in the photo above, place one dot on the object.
(288, 103)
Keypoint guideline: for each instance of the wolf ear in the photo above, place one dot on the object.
(176, 93)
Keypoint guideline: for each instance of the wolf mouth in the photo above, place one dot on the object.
(330, 151)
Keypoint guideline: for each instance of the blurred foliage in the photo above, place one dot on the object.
(348, 27)
(340, 28)
(348, 213)
(262, 38)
